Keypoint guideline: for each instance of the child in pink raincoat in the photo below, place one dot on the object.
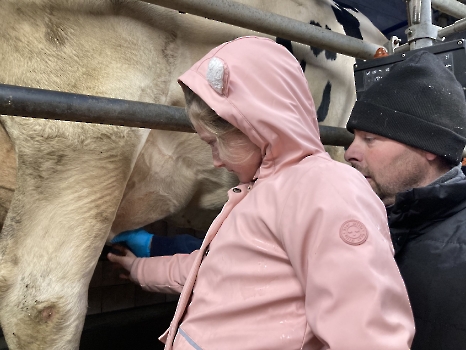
(300, 256)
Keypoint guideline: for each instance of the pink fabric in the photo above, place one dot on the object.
(176, 268)
(283, 269)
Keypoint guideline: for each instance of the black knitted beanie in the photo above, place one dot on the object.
(419, 103)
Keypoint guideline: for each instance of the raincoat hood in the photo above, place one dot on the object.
(259, 87)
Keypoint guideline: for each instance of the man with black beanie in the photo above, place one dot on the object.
(410, 132)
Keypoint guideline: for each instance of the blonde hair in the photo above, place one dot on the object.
(229, 138)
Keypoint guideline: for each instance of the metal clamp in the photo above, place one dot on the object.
(422, 31)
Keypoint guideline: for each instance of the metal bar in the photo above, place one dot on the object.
(426, 26)
(333, 136)
(456, 27)
(409, 12)
(421, 32)
(46, 104)
(273, 24)
(416, 11)
(402, 48)
(450, 7)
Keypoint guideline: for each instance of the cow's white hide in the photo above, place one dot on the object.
(174, 178)
(74, 181)
(7, 173)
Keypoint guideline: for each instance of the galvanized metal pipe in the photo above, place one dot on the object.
(421, 32)
(456, 27)
(427, 28)
(402, 48)
(416, 11)
(241, 15)
(333, 136)
(46, 104)
(38, 103)
(450, 7)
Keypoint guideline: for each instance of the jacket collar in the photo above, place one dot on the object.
(417, 209)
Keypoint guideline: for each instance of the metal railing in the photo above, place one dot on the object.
(450, 7)
(48, 104)
(248, 17)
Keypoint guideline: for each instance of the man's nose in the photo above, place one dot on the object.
(352, 154)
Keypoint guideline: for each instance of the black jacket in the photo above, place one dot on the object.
(428, 228)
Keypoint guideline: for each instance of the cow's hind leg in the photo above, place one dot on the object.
(70, 180)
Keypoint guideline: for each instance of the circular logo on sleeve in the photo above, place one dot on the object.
(353, 232)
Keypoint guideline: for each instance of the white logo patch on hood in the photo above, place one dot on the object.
(217, 75)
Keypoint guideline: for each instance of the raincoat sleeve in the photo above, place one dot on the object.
(163, 274)
(354, 294)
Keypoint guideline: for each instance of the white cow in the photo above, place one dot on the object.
(7, 173)
(76, 182)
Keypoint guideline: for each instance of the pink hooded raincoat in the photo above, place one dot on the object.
(299, 259)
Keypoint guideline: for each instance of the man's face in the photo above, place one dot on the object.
(389, 166)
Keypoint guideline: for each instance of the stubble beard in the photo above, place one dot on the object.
(387, 189)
